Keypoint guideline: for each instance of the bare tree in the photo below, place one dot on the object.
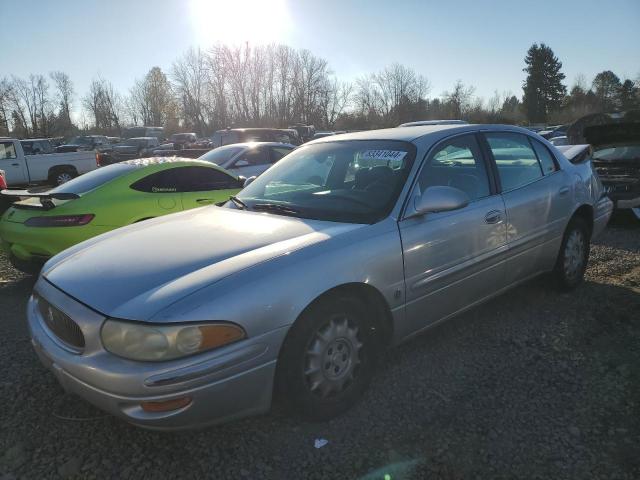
(459, 99)
(105, 106)
(64, 94)
(151, 99)
(189, 74)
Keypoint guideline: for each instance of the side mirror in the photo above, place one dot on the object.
(440, 199)
(241, 163)
(248, 181)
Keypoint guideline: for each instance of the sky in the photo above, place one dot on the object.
(482, 43)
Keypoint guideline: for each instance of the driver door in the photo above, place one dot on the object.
(453, 259)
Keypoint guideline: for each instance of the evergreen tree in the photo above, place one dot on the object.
(629, 96)
(606, 85)
(543, 88)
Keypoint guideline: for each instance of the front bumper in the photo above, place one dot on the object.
(224, 384)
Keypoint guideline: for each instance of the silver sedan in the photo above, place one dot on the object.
(349, 244)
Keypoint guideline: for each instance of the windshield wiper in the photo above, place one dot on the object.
(238, 203)
(276, 207)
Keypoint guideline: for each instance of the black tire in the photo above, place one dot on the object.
(26, 266)
(569, 274)
(294, 386)
(62, 175)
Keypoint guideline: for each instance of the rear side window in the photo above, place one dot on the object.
(7, 150)
(185, 179)
(159, 182)
(544, 155)
(457, 163)
(516, 161)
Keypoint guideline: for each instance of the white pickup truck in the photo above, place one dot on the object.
(48, 168)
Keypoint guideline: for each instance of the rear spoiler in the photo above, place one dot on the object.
(45, 197)
(575, 153)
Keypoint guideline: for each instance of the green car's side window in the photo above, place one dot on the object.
(186, 179)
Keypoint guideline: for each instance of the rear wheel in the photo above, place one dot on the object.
(327, 359)
(58, 177)
(573, 256)
(29, 267)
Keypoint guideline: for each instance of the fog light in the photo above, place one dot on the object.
(166, 406)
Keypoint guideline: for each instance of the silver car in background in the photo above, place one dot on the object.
(347, 245)
(247, 159)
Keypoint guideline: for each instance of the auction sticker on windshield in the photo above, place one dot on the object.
(382, 155)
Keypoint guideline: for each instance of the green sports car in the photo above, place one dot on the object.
(43, 224)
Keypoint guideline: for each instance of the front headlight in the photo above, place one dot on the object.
(153, 342)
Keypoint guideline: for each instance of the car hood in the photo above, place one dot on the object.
(137, 271)
(612, 133)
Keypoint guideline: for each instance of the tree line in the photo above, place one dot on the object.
(276, 86)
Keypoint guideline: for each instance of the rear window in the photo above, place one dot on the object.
(221, 154)
(94, 179)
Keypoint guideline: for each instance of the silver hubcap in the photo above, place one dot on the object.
(63, 178)
(574, 254)
(332, 357)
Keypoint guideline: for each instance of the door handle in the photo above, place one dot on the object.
(204, 200)
(15, 164)
(564, 191)
(494, 216)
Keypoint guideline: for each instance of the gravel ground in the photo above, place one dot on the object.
(534, 384)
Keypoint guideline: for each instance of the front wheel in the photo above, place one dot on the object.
(573, 256)
(327, 359)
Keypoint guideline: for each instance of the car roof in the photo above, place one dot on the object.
(244, 129)
(433, 122)
(34, 139)
(161, 163)
(258, 144)
(409, 134)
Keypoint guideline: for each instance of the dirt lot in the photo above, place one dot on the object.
(534, 384)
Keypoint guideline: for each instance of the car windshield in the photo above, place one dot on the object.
(618, 152)
(81, 141)
(94, 179)
(221, 154)
(341, 181)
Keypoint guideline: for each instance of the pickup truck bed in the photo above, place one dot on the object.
(48, 168)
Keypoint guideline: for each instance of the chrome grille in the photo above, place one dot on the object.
(61, 325)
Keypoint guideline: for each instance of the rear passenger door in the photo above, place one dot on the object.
(537, 198)
(453, 259)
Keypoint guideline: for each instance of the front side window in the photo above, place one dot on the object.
(342, 181)
(457, 163)
(7, 150)
(516, 161)
(256, 156)
(278, 152)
